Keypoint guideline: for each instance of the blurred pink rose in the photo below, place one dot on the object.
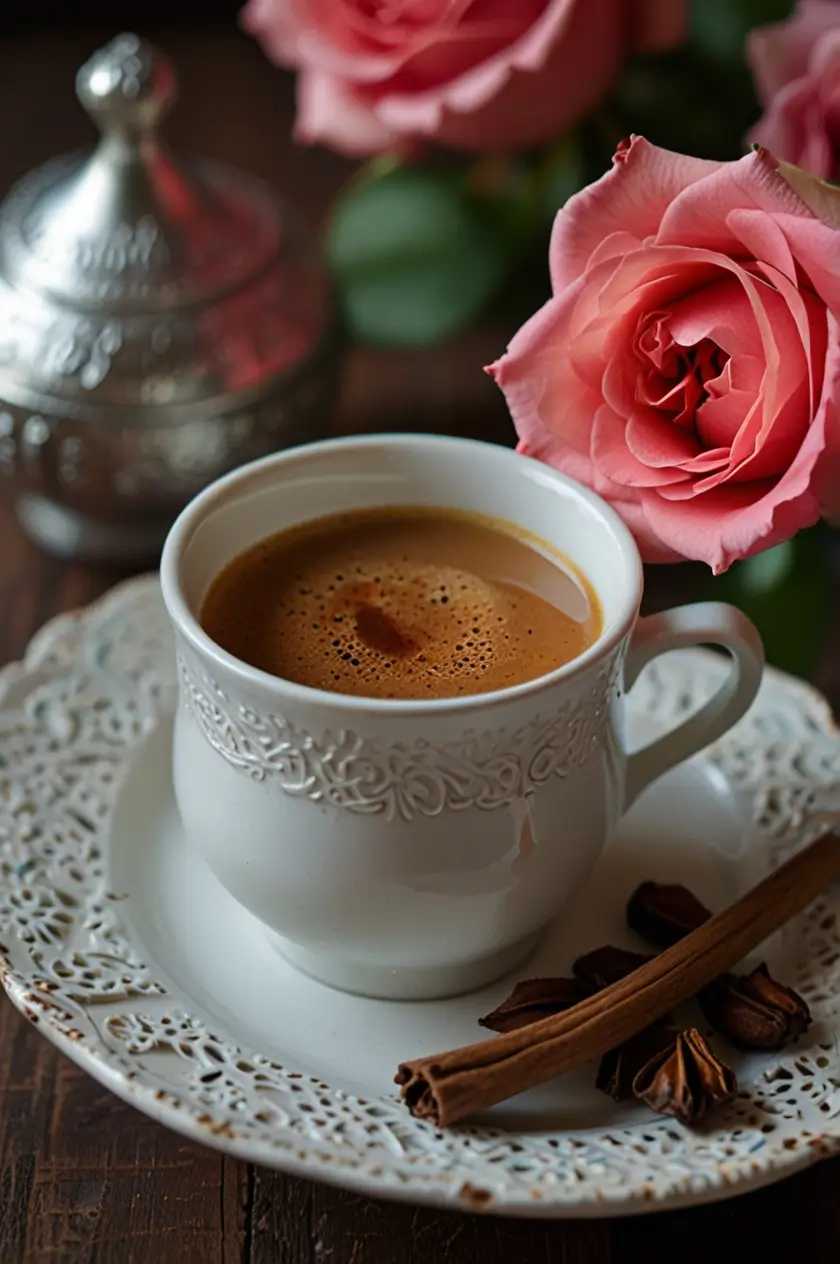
(379, 75)
(687, 366)
(796, 66)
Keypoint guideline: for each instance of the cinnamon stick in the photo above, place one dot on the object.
(447, 1087)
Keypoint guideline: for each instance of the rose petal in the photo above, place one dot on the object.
(486, 75)
(723, 312)
(731, 396)
(614, 248)
(784, 395)
(311, 35)
(612, 456)
(491, 104)
(710, 460)
(734, 316)
(541, 445)
(631, 198)
(608, 308)
(763, 240)
(655, 442)
(809, 316)
(796, 127)
(737, 520)
(731, 523)
(338, 37)
(699, 215)
(540, 384)
(810, 240)
(329, 113)
(781, 51)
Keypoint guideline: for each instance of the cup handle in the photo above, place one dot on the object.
(708, 622)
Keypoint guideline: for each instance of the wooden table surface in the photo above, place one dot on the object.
(85, 1177)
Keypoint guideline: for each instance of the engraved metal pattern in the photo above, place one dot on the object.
(126, 318)
(485, 770)
(70, 717)
(86, 354)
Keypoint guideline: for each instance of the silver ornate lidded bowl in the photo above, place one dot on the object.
(160, 323)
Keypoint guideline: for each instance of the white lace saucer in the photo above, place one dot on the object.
(131, 958)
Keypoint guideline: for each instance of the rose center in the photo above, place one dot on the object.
(675, 379)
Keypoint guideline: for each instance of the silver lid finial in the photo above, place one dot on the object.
(127, 86)
(163, 317)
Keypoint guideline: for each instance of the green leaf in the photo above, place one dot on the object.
(719, 27)
(787, 593)
(414, 258)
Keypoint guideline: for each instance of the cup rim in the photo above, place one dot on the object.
(190, 517)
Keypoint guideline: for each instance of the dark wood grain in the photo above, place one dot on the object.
(84, 1177)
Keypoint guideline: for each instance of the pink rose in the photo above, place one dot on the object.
(687, 366)
(379, 75)
(796, 66)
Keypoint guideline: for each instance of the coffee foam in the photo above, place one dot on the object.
(378, 630)
(391, 625)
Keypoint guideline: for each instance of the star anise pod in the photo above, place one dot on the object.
(664, 914)
(607, 965)
(687, 1081)
(618, 1068)
(533, 999)
(754, 1011)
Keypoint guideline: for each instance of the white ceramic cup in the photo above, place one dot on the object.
(413, 849)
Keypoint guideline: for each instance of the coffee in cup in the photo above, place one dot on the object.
(404, 603)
